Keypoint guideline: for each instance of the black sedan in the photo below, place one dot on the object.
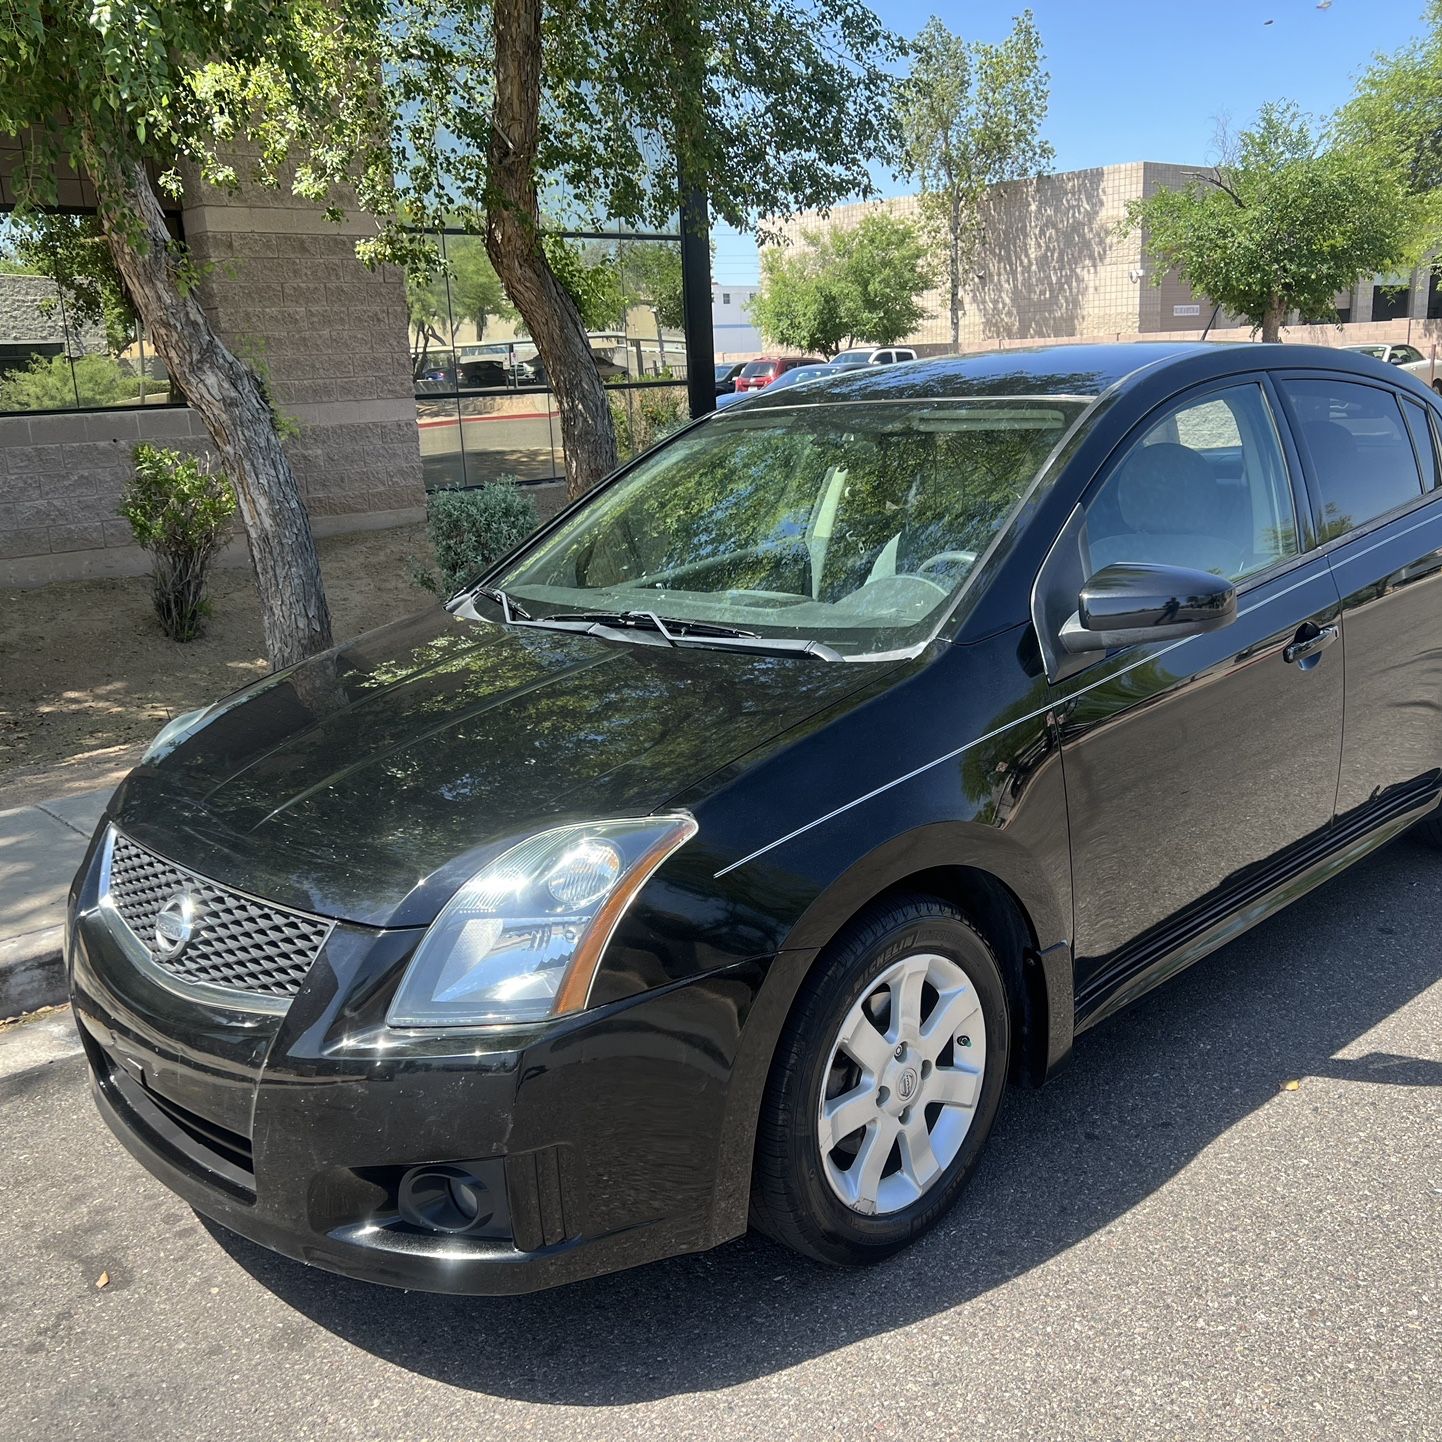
(725, 375)
(718, 858)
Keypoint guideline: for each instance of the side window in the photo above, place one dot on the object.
(1424, 440)
(1406, 354)
(1361, 456)
(1206, 487)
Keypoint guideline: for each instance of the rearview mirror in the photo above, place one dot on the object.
(1132, 602)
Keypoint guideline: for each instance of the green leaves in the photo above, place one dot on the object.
(593, 282)
(469, 529)
(179, 510)
(50, 383)
(71, 251)
(971, 118)
(176, 503)
(774, 105)
(1395, 120)
(862, 283)
(462, 287)
(179, 80)
(651, 275)
(1283, 223)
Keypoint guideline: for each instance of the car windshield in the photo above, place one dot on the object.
(852, 525)
(855, 355)
(796, 375)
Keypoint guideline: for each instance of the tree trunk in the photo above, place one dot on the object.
(228, 397)
(955, 270)
(513, 242)
(1275, 314)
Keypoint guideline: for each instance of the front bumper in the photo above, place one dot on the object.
(605, 1140)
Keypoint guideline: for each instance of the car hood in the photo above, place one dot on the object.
(369, 782)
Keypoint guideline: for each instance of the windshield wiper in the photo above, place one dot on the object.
(649, 620)
(673, 632)
(509, 609)
(668, 630)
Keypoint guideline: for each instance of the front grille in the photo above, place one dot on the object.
(238, 942)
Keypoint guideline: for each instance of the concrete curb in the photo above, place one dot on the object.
(32, 971)
(40, 848)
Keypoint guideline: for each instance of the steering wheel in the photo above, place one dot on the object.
(946, 558)
(893, 591)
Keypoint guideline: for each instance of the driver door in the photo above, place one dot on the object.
(1196, 771)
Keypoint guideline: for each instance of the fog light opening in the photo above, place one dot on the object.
(445, 1199)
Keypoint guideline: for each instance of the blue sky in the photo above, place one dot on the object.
(1148, 79)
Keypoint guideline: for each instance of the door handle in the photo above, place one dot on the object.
(1309, 645)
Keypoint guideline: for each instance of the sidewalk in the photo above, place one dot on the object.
(40, 848)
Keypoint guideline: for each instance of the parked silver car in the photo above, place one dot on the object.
(1407, 358)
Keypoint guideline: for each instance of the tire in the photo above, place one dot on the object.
(798, 1181)
(1429, 829)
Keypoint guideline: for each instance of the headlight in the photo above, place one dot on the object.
(172, 734)
(522, 939)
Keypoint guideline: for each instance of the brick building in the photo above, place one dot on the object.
(1058, 267)
(284, 289)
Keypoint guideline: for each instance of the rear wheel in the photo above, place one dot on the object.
(1429, 828)
(885, 1085)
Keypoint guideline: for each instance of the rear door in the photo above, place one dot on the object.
(1371, 455)
(1196, 771)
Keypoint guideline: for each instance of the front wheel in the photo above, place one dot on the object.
(885, 1085)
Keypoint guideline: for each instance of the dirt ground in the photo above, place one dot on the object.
(87, 678)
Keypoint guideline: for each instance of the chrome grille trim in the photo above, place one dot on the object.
(247, 953)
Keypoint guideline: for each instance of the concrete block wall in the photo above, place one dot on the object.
(30, 313)
(1055, 262)
(284, 289)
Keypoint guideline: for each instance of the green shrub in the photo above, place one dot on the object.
(49, 384)
(179, 510)
(644, 415)
(468, 529)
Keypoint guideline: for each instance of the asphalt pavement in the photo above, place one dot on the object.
(1168, 1242)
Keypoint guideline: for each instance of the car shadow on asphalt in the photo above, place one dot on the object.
(1145, 1093)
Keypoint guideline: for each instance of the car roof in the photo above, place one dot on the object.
(1075, 370)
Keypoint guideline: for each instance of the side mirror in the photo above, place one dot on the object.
(1397, 360)
(1130, 603)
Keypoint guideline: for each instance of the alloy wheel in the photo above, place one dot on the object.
(901, 1085)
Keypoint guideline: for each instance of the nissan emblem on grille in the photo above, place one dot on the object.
(175, 924)
(204, 933)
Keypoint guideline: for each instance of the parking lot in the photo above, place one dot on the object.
(1168, 1242)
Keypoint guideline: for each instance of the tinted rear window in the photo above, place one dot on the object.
(1421, 428)
(1360, 452)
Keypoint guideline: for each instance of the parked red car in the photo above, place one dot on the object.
(758, 374)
